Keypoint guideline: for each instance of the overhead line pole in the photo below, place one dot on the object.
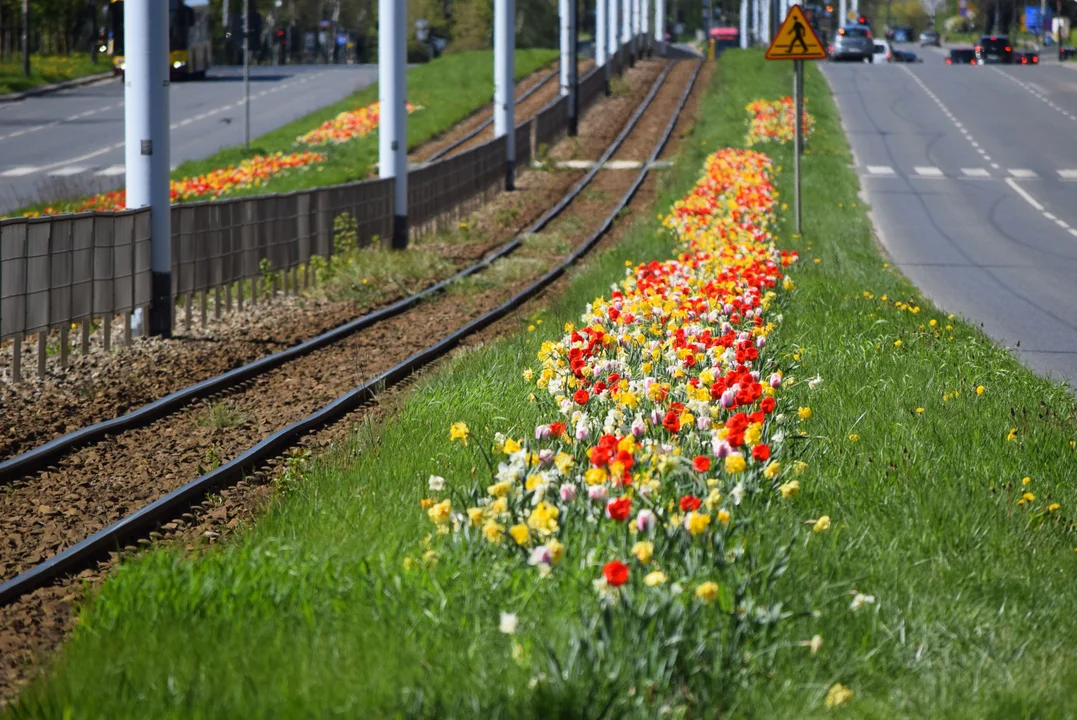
(246, 75)
(26, 38)
(393, 125)
(505, 84)
(146, 151)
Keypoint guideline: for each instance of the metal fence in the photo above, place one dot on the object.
(57, 272)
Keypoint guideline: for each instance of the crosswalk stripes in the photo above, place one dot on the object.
(880, 170)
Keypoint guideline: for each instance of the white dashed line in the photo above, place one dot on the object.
(1068, 174)
(975, 172)
(932, 172)
(880, 170)
(111, 171)
(1021, 173)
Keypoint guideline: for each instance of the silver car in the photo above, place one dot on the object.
(929, 37)
(853, 43)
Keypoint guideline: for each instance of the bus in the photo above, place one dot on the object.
(190, 47)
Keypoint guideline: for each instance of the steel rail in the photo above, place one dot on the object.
(112, 537)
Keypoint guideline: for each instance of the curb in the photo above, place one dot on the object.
(45, 89)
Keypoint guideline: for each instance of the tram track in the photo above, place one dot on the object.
(293, 392)
(36, 621)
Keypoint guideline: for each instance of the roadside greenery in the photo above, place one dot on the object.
(45, 69)
(940, 584)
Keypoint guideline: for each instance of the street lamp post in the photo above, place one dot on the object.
(26, 38)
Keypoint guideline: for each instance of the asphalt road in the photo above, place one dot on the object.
(70, 143)
(971, 173)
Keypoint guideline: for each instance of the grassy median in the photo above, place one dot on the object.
(920, 437)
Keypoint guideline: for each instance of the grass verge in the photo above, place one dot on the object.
(45, 69)
(449, 89)
(310, 612)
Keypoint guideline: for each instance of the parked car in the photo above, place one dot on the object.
(929, 37)
(961, 56)
(994, 49)
(881, 52)
(853, 43)
(1026, 57)
(905, 56)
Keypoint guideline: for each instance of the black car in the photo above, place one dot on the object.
(905, 56)
(994, 49)
(961, 56)
(1026, 57)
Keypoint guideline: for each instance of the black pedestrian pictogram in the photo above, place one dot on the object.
(798, 36)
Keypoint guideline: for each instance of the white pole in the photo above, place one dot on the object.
(626, 21)
(856, 7)
(566, 27)
(393, 123)
(645, 23)
(614, 26)
(602, 50)
(660, 24)
(757, 13)
(743, 24)
(766, 22)
(246, 75)
(146, 132)
(505, 83)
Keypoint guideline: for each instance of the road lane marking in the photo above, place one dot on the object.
(880, 170)
(112, 170)
(69, 170)
(1022, 173)
(19, 171)
(1024, 194)
(1068, 174)
(928, 171)
(975, 172)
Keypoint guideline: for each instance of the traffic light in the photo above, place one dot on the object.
(862, 20)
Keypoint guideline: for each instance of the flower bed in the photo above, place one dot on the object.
(661, 447)
(772, 121)
(348, 125)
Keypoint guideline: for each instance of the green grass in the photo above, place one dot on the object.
(45, 69)
(311, 612)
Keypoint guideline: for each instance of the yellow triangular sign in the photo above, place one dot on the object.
(796, 40)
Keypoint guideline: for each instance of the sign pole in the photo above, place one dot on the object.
(798, 140)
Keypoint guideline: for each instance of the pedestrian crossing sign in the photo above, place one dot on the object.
(796, 39)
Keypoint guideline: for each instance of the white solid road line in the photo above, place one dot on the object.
(1024, 194)
(19, 171)
(69, 170)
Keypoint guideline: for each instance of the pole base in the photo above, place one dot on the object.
(400, 232)
(161, 305)
(510, 175)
